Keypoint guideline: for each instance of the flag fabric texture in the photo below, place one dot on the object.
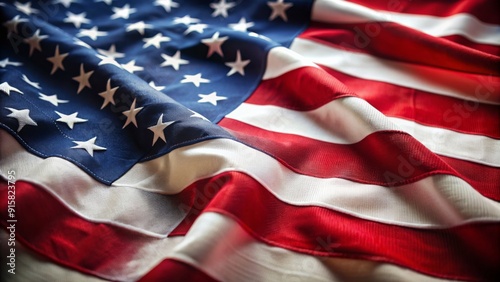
(227, 140)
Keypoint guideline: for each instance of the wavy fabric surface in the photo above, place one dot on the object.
(283, 140)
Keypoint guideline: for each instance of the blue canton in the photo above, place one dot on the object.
(108, 84)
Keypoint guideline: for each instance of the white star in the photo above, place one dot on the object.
(107, 60)
(52, 99)
(108, 2)
(6, 88)
(65, 3)
(88, 146)
(195, 79)
(25, 8)
(83, 79)
(123, 12)
(56, 60)
(22, 116)
(214, 44)
(158, 129)
(12, 24)
(196, 27)
(131, 67)
(187, 20)
(34, 84)
(211, 98)
(175, 61)
(5, 62)
(111, 53)
(238, 65)
(108, 95)
(130, 114)
(93, 33)
(34, 41)
(139, 26)
(279, 9)
(221, 8)
(156, 87)
(76, 19)
(70, 120)
(166, 4)
(155, 40)
(197, 115)
(242, 25)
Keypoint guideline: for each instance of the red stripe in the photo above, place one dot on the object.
(380, 39)
(393, 158)
(51, 230)
(485, 179)
(196, 197)
(484, 10)
(175, 271)
(302, 89)
(309, 88)
(426, 108)
(486, 48)
(468, 252)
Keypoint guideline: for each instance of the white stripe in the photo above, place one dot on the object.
(455, 202)
(425, 78)
(281, 60)
(349, 120)
(460, 24)
(332, 11)
(454, 144)
(239, 257)
(342, 121)
(444, 200)
(33, 267)
(129, 208)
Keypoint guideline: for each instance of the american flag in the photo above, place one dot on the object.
(230, 140)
